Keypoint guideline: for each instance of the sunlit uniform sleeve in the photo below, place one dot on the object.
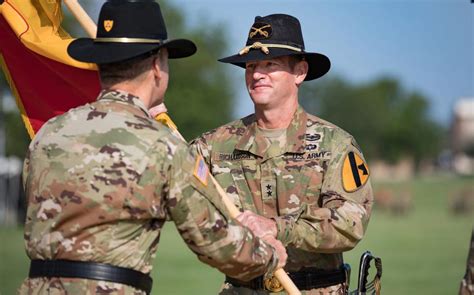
(339, 219)
(201, 218)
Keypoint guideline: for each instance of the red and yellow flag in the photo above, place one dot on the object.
(44, 80)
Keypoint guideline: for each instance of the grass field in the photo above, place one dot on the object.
(423, 252)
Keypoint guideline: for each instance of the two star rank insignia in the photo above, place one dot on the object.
(355, 172)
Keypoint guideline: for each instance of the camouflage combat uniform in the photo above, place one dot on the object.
(296, 180)
(467, 283)
(102, 179)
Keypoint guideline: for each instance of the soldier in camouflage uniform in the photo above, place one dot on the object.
(102, 179)
(305, 178)
(467, 283)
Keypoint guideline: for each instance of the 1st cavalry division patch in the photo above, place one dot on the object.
(201, 172)
(355, 172)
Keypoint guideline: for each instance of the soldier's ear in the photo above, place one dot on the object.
(160, 63)
(156, 67)
(300, 71)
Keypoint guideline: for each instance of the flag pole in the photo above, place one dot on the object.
(82, 17)
(280, 274)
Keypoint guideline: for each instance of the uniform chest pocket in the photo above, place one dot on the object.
(299, 181)
(227, 173)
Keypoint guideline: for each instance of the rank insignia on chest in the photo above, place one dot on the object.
(355, 172)
(269, 190)
(201, 172)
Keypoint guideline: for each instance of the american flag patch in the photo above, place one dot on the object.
(201, 172)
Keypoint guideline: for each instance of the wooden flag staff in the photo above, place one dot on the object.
(82, 17)
(90, 27)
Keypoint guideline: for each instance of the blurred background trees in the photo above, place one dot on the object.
(388, 122)
(15, 139)
(199, 95)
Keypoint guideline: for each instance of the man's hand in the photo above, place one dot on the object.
(260, 226)
(266, 229)
(280, 250)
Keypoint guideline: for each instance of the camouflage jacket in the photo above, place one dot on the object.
(102, 179)
(315, 184)
(467, 283)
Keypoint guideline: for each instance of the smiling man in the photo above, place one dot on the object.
(301, 179)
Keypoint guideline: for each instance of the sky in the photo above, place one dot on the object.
(426, 44)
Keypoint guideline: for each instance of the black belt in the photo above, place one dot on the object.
(92, 271)
(306, 279)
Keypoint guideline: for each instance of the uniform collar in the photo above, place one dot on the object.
(123, 97)
(295, 135)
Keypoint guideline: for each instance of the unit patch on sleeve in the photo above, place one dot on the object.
(355, 172)
(201, 172)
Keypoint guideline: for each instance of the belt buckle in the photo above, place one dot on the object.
(273, 284)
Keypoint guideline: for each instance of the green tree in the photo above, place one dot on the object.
(199, 95)
(16, 139)
(387, 121)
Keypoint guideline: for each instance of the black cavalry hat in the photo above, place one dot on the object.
(278, 35)
(126, 29)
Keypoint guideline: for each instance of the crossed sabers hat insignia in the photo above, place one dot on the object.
(261, 31)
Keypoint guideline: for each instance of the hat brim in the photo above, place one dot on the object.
(319, 64)
(86, 50)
